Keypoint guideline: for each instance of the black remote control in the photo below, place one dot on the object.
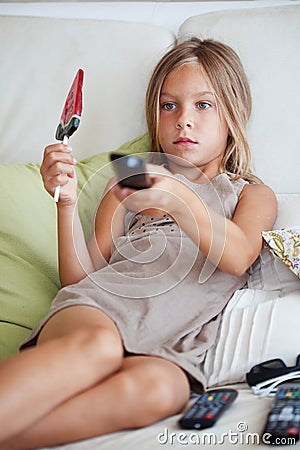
(208, 408)
(283, 422)
(131, 171)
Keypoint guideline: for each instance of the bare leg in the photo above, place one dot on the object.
(66, 363)
(145, 390)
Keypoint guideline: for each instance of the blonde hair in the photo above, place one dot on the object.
(224, 72)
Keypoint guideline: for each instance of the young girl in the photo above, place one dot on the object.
(122, 347)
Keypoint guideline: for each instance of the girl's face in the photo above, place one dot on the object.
(190, 125)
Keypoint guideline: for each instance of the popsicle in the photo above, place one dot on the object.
(70, 116)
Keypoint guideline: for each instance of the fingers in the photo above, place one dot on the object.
(57, 167)
(134, 200)
(119, 191)
(55, 157)
(155, 199)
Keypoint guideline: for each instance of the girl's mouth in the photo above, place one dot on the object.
(184, 141)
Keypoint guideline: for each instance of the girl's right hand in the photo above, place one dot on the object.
(57, 169)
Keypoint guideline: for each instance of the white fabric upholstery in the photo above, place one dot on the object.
(257, 325)
(288, 211)
(267, 40)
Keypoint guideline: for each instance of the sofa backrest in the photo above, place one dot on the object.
(268, 42)
(39, 58)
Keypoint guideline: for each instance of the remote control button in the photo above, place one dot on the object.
(283, 424)
(293, 431)
(273, 417)
(286, 417)
(287, 409)
(207, 409)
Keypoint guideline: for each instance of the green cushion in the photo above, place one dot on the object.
(28, 239)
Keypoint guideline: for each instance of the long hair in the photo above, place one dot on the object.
(223, 71)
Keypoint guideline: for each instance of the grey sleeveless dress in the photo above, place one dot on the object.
(165, 297)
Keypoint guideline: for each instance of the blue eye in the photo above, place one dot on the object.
(203, 105)
(168, 106)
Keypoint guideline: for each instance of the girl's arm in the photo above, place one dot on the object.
(232, 245)
(76, 259)
(109, 225)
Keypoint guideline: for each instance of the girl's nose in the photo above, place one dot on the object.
(182, 124)
(184, 119)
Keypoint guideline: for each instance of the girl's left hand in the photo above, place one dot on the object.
(159, 198)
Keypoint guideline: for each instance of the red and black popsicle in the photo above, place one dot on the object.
(70, 116)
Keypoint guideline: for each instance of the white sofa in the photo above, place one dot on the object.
(39, 57)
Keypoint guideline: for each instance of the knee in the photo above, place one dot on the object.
(158, 392)
(165, 394)
(99, 346)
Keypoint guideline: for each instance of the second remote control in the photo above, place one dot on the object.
(208, 408)
(283, 422)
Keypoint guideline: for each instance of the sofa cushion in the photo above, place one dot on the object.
(28, 241)
(257, 325)
(267, 41)
(268, 272)
(285, 244)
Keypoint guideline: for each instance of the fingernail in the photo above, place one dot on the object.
(74, 160)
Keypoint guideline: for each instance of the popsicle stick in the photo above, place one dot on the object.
(57, 189)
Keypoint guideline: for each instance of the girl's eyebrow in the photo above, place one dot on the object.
(197, 94)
